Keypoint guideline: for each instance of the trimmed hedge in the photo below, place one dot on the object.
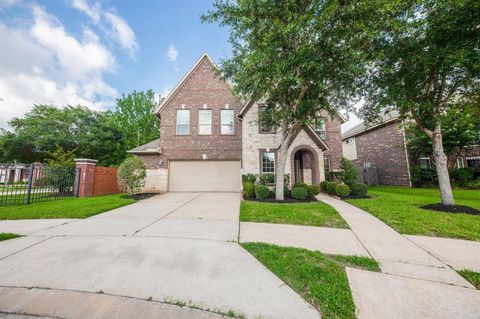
(313, 190)
(300, 184)
(323, 186)
(342, 190)
(251, 178)
(248, 189)
(261, 191)
(330, 188)
(358, 189)
(299, 192)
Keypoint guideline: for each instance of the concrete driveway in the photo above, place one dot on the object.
(179, 248)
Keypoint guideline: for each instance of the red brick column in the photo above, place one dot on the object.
(87, 176)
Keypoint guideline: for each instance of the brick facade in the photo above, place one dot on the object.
(384, 149)
(203, 87)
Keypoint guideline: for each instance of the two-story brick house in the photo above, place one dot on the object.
(208, 139)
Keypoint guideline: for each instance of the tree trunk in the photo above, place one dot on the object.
(442, 169)
(282, 157)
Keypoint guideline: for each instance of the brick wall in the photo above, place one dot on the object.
(105, 181)
(384, 148)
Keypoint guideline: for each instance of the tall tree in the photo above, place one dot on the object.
(294, 54)
(136, 119)
(425, 61)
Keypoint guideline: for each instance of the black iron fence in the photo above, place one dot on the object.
(26, 184)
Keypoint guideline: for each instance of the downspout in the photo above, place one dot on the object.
(406, 153)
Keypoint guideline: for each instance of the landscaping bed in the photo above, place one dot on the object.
(306, 214)
(320, 279)
(141, 196)
(287, 200)
(455, 209)
(401, 208)
(66, 208)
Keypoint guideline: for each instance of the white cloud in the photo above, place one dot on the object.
(172, 53)
(122, 33)
(112, 24)
(44, 64)
(92, 11)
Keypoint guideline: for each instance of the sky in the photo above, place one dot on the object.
(69, 52)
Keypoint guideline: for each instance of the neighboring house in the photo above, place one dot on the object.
(209, 138)
(380, 152)
(13, 173)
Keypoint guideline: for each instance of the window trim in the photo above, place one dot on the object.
(324, 127)
(273, 129)
(211, 122)
(260, 158)
(233, 122)
(189, 122)
(425, 158)
(462, 160)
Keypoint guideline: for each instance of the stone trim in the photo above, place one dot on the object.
(315, 169)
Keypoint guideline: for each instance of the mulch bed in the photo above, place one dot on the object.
(287, 200)
(456, 209)
(141, 196)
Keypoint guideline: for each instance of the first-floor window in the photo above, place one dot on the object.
(205, 122)
(268, 162)
(226, 119)
(183, 122)
(326, 163)
(424, 162)
(460, 162)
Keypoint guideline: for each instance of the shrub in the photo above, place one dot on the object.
(462, 175)
(323, 186)
(313, 190)
(330, 188)
(342, 190)
(422, 176)
(131, 175)
(261, 191)
(250, 178)
(473, 184)
(300, 184)
(248, 189)
(299, 192)
(267, 179)
(358, 189)
(349, 171)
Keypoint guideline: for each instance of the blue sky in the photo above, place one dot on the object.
(90, 52)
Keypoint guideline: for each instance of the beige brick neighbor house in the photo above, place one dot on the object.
(208, 139)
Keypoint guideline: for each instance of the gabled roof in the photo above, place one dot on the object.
(363, 127)
(314, 136)
(250, 103)
(150, 148)
(165, 101)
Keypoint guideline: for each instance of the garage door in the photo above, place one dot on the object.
(207, 176)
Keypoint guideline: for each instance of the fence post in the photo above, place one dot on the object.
(30, 181)
(87, 175)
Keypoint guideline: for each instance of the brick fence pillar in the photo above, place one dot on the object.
(87, 176)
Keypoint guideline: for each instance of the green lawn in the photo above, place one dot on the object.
(6, 236)
(65, 208)
(471, 276)
(399, 207)
(313, 214)
(320, 279)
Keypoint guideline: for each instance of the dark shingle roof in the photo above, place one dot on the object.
(150, 148)
(364, 127)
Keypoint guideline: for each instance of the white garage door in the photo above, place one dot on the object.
(206, 176)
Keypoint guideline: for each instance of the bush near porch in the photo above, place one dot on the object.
(399, 207)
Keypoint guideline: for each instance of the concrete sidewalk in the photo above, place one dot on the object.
(178, 246)
(413, 283)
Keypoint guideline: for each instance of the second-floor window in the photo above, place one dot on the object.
(226, 119)
(264, 129)
(205, 122)
(349, 141)
(320, 128)
(183, 122)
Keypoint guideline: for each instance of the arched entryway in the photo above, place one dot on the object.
(304, 165)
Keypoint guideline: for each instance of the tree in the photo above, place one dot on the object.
(460, 129)
(131, 175)
(87, 133)
(349, 172)
(294, 55)
(135, 117)
(425, 62)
